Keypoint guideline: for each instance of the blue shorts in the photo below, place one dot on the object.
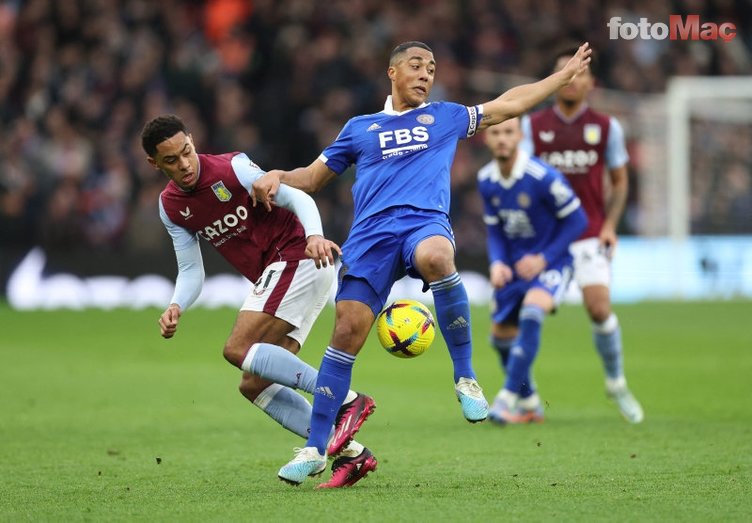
(507, 301)
(380, 251)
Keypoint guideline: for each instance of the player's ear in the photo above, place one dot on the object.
(391, 72)
(152, 162)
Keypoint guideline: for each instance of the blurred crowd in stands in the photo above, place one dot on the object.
(277, 79)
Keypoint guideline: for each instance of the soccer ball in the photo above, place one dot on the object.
(405, 328)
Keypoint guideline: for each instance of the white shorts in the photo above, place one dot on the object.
(592, 265)
(292, 291)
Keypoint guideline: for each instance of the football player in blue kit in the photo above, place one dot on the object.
(403, 156)
(532, 215)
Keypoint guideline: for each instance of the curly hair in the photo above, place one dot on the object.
(159, 129)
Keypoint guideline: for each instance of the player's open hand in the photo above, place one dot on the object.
(577, 64)
(168, 321)
(530, 266)
(321, 250)
(265, 189)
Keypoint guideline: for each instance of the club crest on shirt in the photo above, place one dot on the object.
(426, 119)
(221, 192)
(523, 200)
(546, 136)
(591, 133)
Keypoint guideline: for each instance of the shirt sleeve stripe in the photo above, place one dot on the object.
(568, 209)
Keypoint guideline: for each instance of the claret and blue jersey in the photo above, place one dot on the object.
(403, 159)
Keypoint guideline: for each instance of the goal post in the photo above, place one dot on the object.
(684, 97)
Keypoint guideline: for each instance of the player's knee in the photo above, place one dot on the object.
(599, 312)
(250, 388)
(352, 325)
(434, 265)
(234, 354)
(346, 336)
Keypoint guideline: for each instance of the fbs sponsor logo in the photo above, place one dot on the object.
(402, 141)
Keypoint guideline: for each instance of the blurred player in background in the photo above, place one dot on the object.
(401, 226)
(532, 215)
(284, 252)
(585, 145)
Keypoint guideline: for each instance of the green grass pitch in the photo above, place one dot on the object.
(101, 419)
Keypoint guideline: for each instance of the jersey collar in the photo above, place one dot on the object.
(570, 119)
(389, 108)
(518, 169)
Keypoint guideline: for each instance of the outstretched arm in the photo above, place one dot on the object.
(308, 179)
(522, 98)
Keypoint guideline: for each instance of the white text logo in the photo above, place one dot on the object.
(222, 226)
(569, 161)
(400, 141)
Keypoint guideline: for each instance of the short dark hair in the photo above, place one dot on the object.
(404, 46)
(569, 50)
(159, 129)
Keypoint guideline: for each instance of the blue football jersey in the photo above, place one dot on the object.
(525, 213)
(402, 159)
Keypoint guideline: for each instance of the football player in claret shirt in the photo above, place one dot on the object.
(587, 145)
(290, 262)
(403, 157)
(531, 215)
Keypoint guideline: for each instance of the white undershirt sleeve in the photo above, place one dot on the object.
(616, 147)
(526, 144)
(190, 278)
(288, 197)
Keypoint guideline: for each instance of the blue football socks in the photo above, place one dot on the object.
(503, 346)
(607, 339)
(331, 389)
(525, 349)
(453, 316)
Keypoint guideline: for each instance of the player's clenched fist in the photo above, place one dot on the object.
(168, 321)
